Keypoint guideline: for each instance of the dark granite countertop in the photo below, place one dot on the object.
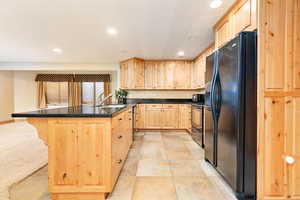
(80, 111)
(165, 101)
(160, 101)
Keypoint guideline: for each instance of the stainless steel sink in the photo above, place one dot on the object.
(111, 106)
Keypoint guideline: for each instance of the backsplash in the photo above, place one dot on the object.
(153, 94)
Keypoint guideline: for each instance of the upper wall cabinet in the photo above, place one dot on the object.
(241, 17)
(132, 74)
(138, 74)
(199, 67)
(154, 74)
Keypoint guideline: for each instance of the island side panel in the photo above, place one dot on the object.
(79, 157)
(41, 124)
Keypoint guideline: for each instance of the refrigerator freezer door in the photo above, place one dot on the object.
(209, 139)
(209, 73)
(210, 117)
(228, 82)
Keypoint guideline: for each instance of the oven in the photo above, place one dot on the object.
(197, 124)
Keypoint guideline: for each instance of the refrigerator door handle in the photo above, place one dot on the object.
(218, 97)
(213, 86)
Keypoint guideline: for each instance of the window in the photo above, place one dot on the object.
(57, 93)
(92, 93)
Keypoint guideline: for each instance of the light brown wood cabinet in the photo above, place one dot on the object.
(185, 117)
(162, 75)
(278, 175)
(86, 155)
(183, 75)
(163, 116)
(132, 74)
(153, 116)
(241, 17)
(199, 68)
(140, 112)
(169, 117)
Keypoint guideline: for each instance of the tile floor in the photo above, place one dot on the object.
(160, 166)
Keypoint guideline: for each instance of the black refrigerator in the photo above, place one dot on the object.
(231, 113)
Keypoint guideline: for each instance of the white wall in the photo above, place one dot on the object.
(6, 95)
(25, 91)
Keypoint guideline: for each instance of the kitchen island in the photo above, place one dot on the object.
(87, 148)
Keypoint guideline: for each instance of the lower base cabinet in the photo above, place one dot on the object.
(163, 116)
(86, 155)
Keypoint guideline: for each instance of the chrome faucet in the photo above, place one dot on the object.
(107, 97)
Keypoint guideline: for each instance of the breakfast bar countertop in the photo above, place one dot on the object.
(80, 111)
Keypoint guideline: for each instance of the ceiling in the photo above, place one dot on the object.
(153, 29)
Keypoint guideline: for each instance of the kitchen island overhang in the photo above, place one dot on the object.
(87, 148)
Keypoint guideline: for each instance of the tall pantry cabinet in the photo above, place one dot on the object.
(279, 100)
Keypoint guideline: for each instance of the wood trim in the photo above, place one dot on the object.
(166, 60)
(157, 89)
(212, 45)
(133, 58)
(281, 93)
(160, 129)
(7, 122)
(229, 12)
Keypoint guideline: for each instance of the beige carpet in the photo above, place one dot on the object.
(22, 153)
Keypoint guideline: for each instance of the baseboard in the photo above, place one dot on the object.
(7, 121)
(149, 129)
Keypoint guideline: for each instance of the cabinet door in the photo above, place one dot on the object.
(180, 75)
(129, 75)
(193, 76)
(187, 74)
(223, 34)
(201, 72)
(182, 117)
(242, 17)
(170, 114)
(140, 116)
(71, 143)
(169, 75)
(150, 73)
(124, 75)
(185, 117)
(129, 127)
(198, 72)
(293, 144)
(160, 69)
(138, 74)
(153, 116)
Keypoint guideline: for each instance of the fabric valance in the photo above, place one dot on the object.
(55, 77)
(92, 78)
(73, 77)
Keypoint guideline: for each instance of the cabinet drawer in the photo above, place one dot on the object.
(150, 106)
(118, 120)
(118, 160)
(170, 105)
(187, 106)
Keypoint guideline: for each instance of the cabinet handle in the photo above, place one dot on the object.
(129, 118)
(120, 119)
(129, 112)
(289, 159)
(120, 137)
(120, 161)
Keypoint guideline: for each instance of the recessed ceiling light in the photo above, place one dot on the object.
(180, 53)
(112, 31)
(216, 3)
(57, 50)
